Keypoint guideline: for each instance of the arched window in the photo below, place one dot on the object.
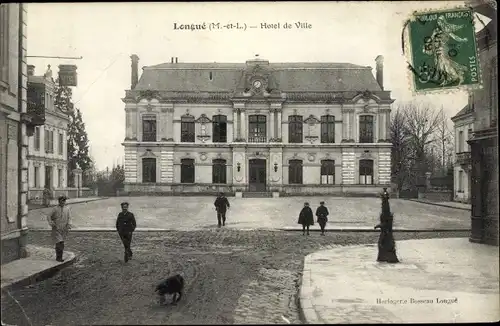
(295, 128)
(257, 129)
(328, 172)
(187, 129)
(219, 129)
(327, 129)
(219, 171)
(366, 172)
(187, 170)
(149, 169)
(295, 172)
(366, 129)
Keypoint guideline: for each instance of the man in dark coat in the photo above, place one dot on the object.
(221, 205)
(322, 214)
(306, 218)
(125, 225)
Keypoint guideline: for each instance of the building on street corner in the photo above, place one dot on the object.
(47, 151)
(258, 126)
(463, 128)
(15, 124)
(484, 142)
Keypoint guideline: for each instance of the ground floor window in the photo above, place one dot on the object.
(328, 172)
(366, 172)
(295, 172)
(187, 170)
(149, 170)
(60, 177)
(219, 171)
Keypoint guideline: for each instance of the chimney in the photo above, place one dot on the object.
(380, 70)
(31, 70)
(175, 59)
(171, 59)
(135, 70)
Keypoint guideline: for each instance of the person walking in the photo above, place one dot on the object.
(60, 222)
(306, 218)
(125, 225)
(322, 215)
(221, 205)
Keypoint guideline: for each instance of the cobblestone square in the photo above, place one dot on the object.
(197, 213)
(232, 277)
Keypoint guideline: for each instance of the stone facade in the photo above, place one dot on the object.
(13, 134)
(484, 143)
(258, 157)
(463, 129)
(47, 151)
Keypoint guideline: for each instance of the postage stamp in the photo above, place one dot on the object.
(443, 50)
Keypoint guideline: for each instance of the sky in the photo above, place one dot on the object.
(106, 34)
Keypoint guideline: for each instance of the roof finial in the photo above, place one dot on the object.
(256, 55)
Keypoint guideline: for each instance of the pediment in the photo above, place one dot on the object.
(203, 119)
(149, 95)
(148, 153)
(187, 117)
(311, 120)
(366, 96)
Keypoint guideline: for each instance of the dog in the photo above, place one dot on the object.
(172, 285)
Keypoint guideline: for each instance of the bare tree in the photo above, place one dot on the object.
(445, 139)
(399, 150)
(413, 130)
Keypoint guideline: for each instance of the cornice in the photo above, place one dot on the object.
(278, 98)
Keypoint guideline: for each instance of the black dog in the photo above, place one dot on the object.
(173, 284)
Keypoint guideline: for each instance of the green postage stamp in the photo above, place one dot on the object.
(443, 50)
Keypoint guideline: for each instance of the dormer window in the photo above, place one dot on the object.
(210, 76)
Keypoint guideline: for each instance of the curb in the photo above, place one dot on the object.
(442, 205)
(378, 231)
(74, 203)
(40, 276)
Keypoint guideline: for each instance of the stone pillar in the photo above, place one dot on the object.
(345, 125)
(77, 175)
(352, 126)
(272, 131)
(236, 133)
(380, 126)
(243, 124)
(387, 125)
(128, 124)
(161, 134)
(427, 180)
(279, 135)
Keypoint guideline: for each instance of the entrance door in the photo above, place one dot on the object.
(257, 175)
(48, 177)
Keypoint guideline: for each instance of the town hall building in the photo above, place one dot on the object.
(257, 127)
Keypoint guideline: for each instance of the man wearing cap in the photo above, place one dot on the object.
(125, 225)
(322, 214)
(221, 205)
(60, 222)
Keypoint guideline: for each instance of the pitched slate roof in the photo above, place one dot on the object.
(466, 110)
(289, 77)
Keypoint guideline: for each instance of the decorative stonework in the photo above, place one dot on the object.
(311, 120)
(311, 157)
(203, 119)
(203, 156)
(148, 153)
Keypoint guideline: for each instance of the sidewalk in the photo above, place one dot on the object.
(450, 204)
(39, 265)
(69, 201)
(437, 281)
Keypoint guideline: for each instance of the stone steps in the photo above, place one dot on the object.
(249, 194)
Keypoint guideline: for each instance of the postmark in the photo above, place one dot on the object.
(443, 51)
